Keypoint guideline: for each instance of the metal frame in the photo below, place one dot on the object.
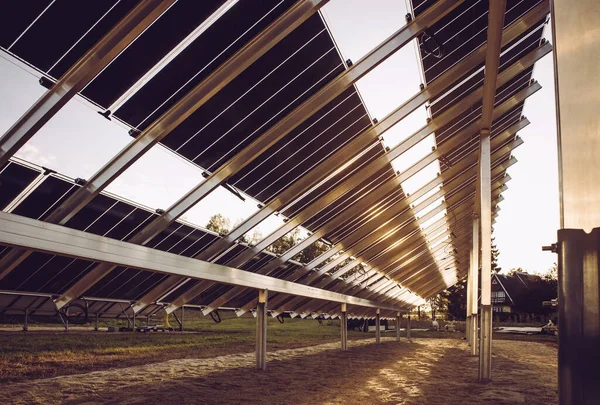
(80, 74)
(354, 180)
(44, 237)
(412, 260)
(267, 139)
(498, 112)
(494, 39)
(167, 122)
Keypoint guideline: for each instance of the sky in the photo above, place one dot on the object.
(78, 141)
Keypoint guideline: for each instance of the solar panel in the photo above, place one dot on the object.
(291, 72)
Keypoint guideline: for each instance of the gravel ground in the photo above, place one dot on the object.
(424, 371)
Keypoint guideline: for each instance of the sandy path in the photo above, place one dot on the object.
(426, 371)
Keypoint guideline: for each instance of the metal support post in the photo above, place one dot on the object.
(469, 297)
(344, 327)
(468, 326)
(261, 330)
(576, 71)
(408, 327)
(181, 324)
(485, 341)
(377, 327)
(579, 316)
(492, 60)
(26, 322)
(398, 327)
(474, 276)
(66, 319)
(96, 322)
(133, 321)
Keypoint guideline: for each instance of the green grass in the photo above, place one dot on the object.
(37, 354)
(40, 354)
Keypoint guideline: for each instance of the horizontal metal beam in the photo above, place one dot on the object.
(40, 236)
(162, 126)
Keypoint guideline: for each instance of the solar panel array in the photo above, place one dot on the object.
(383, 243)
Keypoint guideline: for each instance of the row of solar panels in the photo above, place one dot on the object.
(288, 74)
(33, 191)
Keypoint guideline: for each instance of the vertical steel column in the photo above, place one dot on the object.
(181, 324)
(261, 330)
(398, 327)
(377, 327)
(474, 276)
(26, 322)
(96, 322)
(468, 311)
(579, 316)
(66, 321)
(344, 327)
(576, 72)
(408, 327)
(485, 340)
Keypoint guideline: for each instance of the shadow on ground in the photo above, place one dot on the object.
(425, 371)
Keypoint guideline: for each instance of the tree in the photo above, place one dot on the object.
(285, 243)
(456, 301)
(219, 223)
(552, 273)
(438, 304)
(495, 254)
(311, 252)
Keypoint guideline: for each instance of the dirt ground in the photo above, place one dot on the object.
(424, 371)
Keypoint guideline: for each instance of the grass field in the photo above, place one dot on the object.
(47, 351)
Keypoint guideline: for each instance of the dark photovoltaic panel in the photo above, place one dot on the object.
(47, 195)
(375, 151)
(314, 140)
(62, 33)
(272, 86)
(14, 178)
(257, 99)
(219, 42)
(16, 16)
(147, 50)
